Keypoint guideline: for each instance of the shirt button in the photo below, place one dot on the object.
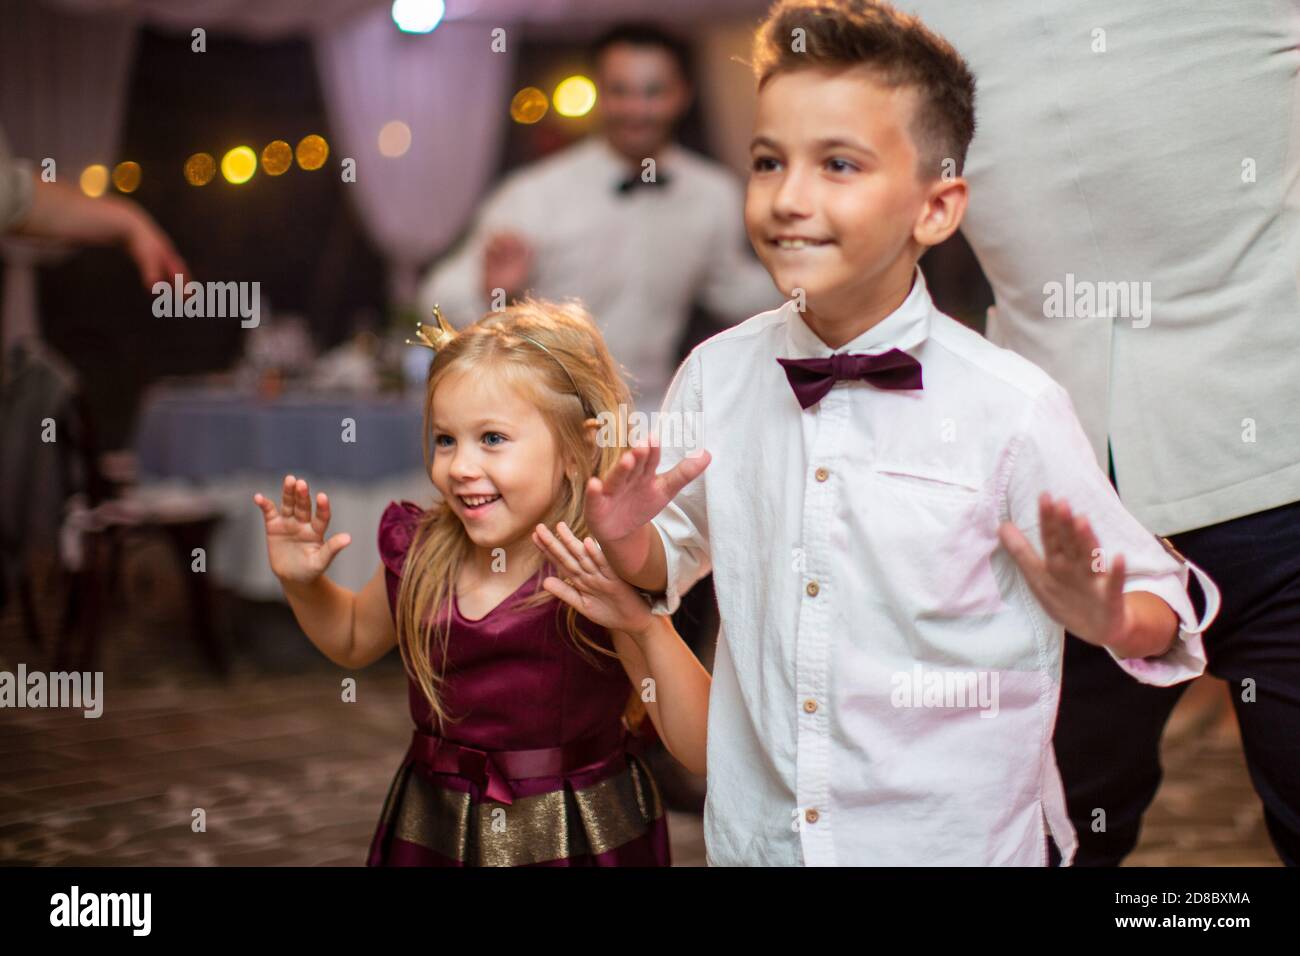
(822, 474)
(810, 706)
(812, 816)
(812, 589)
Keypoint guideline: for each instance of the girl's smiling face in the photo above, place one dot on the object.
(495, 460)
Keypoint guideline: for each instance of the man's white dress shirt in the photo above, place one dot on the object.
(637, 259)
(1154, 142)
(885, 686)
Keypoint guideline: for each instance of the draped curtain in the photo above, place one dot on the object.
(450, 89)
(266, 18)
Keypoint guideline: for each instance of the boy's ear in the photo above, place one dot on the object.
(942, 212)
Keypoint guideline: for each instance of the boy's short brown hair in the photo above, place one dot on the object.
(898, 49)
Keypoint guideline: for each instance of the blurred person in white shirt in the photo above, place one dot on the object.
(1153, 149)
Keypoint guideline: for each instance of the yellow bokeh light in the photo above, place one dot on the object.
(312, 151)
(239, 164)
(574, 96)
(394, 139)
(126, 177)
(277, 157)
(94, 180)
(199, 169)
(529, 105)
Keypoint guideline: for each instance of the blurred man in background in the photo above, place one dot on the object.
(626, 220)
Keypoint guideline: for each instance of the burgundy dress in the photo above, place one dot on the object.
(539, 769)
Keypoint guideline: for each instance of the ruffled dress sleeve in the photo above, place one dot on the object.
(396, 529)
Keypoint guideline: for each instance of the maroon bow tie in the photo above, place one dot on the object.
(812, 378)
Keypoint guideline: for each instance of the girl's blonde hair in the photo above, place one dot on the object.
(544, 350)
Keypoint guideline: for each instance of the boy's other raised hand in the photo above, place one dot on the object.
(295, 538)
(1071, 580)
(633, 494)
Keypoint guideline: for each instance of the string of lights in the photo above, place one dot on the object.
(573, 97)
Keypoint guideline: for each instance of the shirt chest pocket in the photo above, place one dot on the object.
(933, 533)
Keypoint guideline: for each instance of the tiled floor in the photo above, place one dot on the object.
(286, 773)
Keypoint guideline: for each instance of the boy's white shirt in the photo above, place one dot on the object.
(825, 701)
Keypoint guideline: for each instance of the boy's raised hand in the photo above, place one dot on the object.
(633, 493)
(591, 586)
(1070, 580)
(295, 539)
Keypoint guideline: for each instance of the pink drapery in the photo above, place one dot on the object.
(450, 89)
(268, 18)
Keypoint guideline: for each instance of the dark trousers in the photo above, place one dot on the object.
(1108, 726)
(696, 619)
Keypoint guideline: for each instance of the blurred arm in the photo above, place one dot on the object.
(58, 211)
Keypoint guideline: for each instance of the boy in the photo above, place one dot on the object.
(888, 665)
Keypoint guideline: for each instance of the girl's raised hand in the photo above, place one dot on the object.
(591, 587)
(633, 494)
(295, 539)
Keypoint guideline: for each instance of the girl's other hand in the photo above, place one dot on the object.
(591, 586)
(295, 539)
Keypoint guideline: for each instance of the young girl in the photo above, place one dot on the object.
(520, 750)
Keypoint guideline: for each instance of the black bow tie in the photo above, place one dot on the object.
(624, 187)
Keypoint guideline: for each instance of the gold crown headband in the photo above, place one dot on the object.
(438, 336)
